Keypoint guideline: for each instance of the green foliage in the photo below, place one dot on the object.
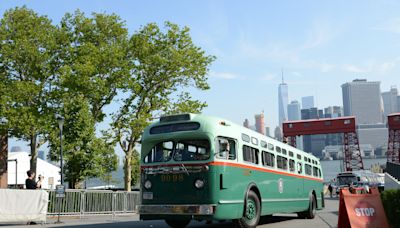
(163, 64)
(391, 204)
(85, 155)
(28, 45)
(94, 57)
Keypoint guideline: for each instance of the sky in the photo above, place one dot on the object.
(320, 45)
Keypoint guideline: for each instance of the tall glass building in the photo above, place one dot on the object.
(282, 102)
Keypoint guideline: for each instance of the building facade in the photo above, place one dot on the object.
(294, 110)
(282, 102)
(390, 102)
(260, 126)
(307, 102)
(362, 99)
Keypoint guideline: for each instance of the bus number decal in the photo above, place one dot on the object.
(280, 185)
(172, 178)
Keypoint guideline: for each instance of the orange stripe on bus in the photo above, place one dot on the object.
(217, 163)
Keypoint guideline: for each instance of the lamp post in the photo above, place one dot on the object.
(60, 192)
(60, 121)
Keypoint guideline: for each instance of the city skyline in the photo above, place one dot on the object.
(319, 45)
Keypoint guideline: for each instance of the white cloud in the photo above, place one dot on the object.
(392, 25)
(224, 75)
(320, 34)
(353, 69)
(268, 77)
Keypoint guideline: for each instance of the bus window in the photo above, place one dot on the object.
(250, 154)
(284, 151)
(245, 138)
(270, 146)
(315, 171)
(305, 159)
(291, 154)
(308, 169)
(299, 156)
(161, 152)
(192, 150)
(254, 141)
(226, 148)
(264, 144)
(268, 159)
(299, 168)
(291, 165)
(278, 149)
(281, 162)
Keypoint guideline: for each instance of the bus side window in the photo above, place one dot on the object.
(226, 148)
(299, 168)
(250, 154)
(291, 165)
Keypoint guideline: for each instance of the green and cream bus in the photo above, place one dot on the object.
(207, 168)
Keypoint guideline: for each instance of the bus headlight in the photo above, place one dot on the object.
(147, 184)
(199, 183)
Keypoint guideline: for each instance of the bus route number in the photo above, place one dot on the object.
(172, 178)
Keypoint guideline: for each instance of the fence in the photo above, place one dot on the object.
(393, 169)
(93, 202)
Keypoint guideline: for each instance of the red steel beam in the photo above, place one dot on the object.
(394, 121)
(319, 126)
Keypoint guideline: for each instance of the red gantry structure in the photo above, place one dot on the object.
(393, 152)
(347, 125)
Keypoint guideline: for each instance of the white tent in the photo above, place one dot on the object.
(50, 172)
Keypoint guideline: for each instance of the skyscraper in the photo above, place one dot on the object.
(260, 127)
(307, 102)
(267, 131)
(294, 110)
(282, 101)
(246, 123)
(333, 112)
(390, 101)
(362, 99)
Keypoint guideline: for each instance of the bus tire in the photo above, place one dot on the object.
(252, 212)
(175, 223)
(311, 211)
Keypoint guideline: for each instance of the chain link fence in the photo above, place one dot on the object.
(93, 202)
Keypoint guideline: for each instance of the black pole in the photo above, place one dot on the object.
(61, 158)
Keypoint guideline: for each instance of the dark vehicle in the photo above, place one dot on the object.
(360, 178)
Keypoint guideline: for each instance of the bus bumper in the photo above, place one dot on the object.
(204, 209)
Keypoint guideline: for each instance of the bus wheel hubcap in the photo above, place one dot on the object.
(250, 210)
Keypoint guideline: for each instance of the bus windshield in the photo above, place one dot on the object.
(183, 150)
(347, 180)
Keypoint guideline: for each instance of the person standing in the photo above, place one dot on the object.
(30, 182)
(330, 189)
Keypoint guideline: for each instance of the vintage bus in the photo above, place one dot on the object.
(207, 168)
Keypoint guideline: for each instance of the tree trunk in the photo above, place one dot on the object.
(128, 170)
(3, 159)
(34, 154)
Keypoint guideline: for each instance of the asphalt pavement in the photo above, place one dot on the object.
(327, 217)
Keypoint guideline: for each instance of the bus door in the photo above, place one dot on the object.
(226, 151)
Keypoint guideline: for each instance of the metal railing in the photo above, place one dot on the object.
(93, 202)
(393, 169)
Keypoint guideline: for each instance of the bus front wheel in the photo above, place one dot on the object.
(251, 215)
(311, 211)
(174, 223)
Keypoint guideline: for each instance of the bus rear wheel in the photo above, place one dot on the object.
(251, 215)
(175, 223)
(311, 211)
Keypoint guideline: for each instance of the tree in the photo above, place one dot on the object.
(92, 53)
(27, 51)
(163, 64)
(85, 155)
(94, 56)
